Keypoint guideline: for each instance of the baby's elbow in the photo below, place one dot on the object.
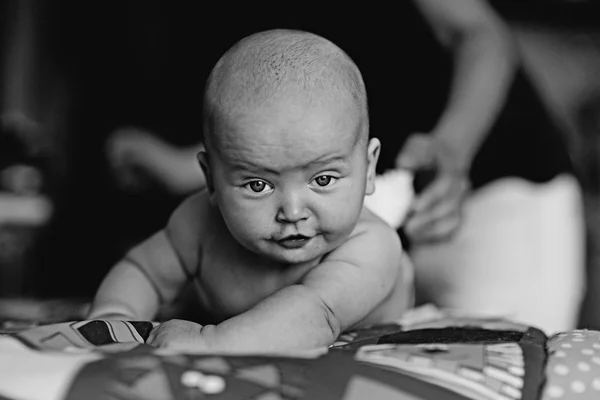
(333, 325)
(405, 284)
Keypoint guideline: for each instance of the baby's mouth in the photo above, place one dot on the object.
(293, 241)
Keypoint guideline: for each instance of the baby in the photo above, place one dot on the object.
(280, 248)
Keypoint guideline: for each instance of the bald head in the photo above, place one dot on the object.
(277, 64)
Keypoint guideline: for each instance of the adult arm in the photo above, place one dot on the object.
(485, 60)
(138, 156)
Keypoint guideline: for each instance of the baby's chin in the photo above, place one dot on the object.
(292, 260)
(311, 253)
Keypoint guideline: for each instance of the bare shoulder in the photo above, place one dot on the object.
(373, 242)
(363, 279)
(371, 228)
(189, 212)
(188, 224)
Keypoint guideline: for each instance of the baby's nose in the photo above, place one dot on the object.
(292, 208)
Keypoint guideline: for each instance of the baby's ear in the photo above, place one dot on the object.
(202, 157)
(372, 157)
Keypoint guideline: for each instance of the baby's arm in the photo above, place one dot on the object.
(149, 275)
(135, 287)
(344, 290)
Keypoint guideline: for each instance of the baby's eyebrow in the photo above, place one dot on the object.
(324, 160)
(317, 162)
(253, 168)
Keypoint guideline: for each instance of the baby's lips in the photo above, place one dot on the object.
(294, 237)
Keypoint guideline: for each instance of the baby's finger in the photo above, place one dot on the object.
(153, 333)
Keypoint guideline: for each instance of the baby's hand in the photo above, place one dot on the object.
(177, 334)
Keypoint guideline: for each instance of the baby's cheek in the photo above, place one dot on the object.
(245, 224)
(340, 218)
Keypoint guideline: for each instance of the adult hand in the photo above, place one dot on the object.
(140, 159)
(436, 212)
(130, 153)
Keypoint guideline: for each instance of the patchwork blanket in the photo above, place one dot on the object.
(428, 355)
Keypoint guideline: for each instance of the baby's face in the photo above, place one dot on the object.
(290, 179)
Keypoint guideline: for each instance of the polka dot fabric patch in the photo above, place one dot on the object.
(573, 369)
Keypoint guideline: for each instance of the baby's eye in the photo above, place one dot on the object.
(257, 186)
(324, 180)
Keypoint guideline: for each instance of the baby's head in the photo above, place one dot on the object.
(288, 159)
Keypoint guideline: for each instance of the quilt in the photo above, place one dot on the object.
(429, 354)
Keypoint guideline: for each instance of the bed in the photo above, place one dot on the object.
(428, 354)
